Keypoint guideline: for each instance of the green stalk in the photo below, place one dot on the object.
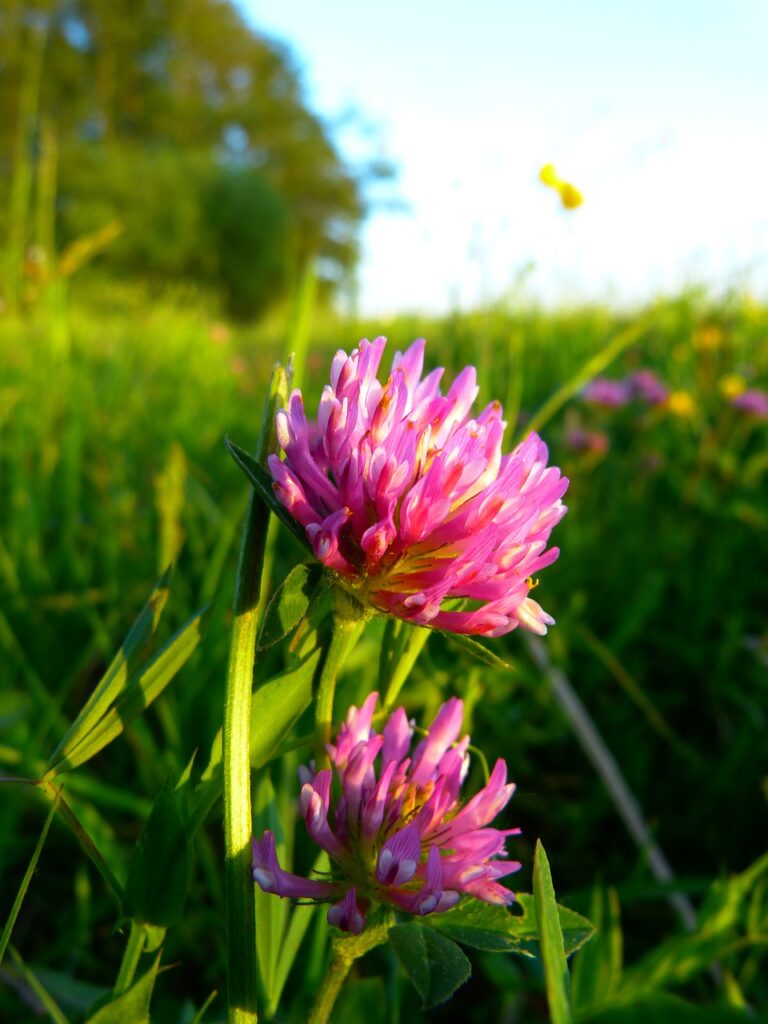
(346, 949)
(238, 821)
(133, 950)
(334, 978)
(238, 827)
(347, 624)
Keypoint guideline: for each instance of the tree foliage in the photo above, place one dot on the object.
(191, 128)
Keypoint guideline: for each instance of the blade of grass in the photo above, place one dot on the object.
(299, 325)
(133, 699)
(628, 336)
(607, 768)
(46, 999)
(635, 693)
(116, 678)
(551, 939)
(6, 934)
(87, 844)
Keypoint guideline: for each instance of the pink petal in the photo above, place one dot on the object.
(271, 877)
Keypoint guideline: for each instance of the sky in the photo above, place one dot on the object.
(657, 110)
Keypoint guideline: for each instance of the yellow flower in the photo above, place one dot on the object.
(681, 403)
(732, 385)
(548, 176)
(570, 196)
(708, 338)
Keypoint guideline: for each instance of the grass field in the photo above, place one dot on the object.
(113, 467)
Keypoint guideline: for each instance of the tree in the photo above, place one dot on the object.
(164, 109)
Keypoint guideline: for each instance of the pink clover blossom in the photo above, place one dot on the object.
(397, 834)
(408, 499)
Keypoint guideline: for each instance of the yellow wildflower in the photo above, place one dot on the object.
(708, 338)
(681, 403)
(732, 385)
(570, 196)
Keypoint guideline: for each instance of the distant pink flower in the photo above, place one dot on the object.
(646, 386)
(580, 440)
(612, 394)
(410, 500)
(397, 833)
(754, 402)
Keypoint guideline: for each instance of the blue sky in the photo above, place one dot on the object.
(657, 111)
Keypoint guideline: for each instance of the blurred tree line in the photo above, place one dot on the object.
(180, 122)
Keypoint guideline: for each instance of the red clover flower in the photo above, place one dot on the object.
(397, 833)
(409, 500)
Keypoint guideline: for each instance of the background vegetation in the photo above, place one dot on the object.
(122, 372)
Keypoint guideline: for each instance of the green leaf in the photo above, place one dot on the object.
(137, 695)
(289, 603)
(665, 1009)
(277, 704)
(497, 929)
(262, 484)
(116, 678)
(6, 934)
(477, 650)
(435, 964)
(132, 1007)
(551, 939)
(275, 707)
(159, 870)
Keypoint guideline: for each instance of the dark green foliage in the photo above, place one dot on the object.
(435, 964)
(248, 237)
(159, 871)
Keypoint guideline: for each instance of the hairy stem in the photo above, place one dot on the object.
(346, 949)
(347, 625)
(133, 950)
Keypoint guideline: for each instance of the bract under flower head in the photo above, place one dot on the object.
(408, 498)
(397, 834)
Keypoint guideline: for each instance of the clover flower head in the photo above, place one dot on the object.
(397, 834)
(408, 498)
(594, 441)
(753, 402)
(611, 394)
(647, 387)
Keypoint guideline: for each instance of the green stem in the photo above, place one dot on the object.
(133, 950)
(346, 950)
(238, 826)
(347, 625)
(242, 980)
(334, 978)
(415, 639)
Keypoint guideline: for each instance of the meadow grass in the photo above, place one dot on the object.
(112, 468)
